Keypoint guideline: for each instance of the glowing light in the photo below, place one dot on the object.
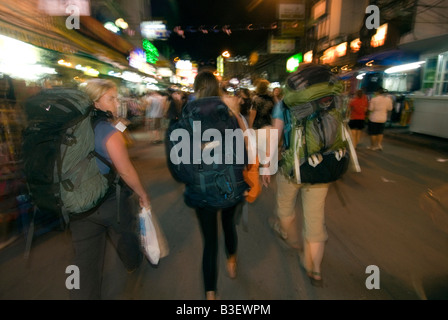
(379, 37)
(88, 70)
(62, 62)
(355, 45)
(308, 57)
(293, 62)
(121, 23)
(111, 27)
(226, 54)
(341, 49)
(405, 67)
(360, 76)
(152, 54)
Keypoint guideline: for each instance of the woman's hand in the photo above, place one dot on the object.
(266, 180)
(144, 202)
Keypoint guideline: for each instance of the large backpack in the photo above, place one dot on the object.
(318, 146)
(58, 154)
(217, 184)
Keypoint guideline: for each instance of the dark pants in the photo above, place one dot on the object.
(89, 236)
(208, 220)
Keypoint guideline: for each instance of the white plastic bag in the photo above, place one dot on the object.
(148, 236)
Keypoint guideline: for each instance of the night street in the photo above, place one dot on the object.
(392, 215)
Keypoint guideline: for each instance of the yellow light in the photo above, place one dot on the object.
(226, 54)
(121, 23)
(379, 37)
(62, 62)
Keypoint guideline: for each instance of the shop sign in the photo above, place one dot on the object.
(291, 11)
(281, 45)
(292, 28)
(59, 7)
(154, 30)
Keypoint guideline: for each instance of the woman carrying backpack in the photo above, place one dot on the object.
(116, 217)
(214, 187)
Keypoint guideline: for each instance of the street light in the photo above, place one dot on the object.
(226, 54)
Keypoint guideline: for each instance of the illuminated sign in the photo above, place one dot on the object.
(291, 11)
(293, 62)
(154, 30)
(59, 8)
(152, 54)
(137, 57)
(220, 65)
(281, 45)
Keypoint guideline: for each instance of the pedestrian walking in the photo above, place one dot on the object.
(308, 164)
(215, 188)
(115, 219)
(379, 107)
(262, 105)
(358, 109)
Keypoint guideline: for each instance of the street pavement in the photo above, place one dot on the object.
(379, 230)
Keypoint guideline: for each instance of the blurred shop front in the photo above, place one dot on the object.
(37, 52)
(430, 102)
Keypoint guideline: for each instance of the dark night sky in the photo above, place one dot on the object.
(192, 14)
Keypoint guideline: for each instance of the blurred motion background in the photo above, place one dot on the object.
(155, 45)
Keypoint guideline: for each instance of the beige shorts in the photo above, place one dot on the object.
(313, 206)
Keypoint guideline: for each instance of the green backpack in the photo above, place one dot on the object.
(317, 142)
(58, 154)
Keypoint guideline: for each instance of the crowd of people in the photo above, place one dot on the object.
(263, 108)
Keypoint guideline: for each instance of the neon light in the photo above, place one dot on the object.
(405, 67)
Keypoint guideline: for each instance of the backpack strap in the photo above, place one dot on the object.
(297, 145)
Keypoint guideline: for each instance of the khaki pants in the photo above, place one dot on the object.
(313, 206)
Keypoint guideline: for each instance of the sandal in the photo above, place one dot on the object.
(314, 276)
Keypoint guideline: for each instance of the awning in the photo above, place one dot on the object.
(390, 57)
(23, 21)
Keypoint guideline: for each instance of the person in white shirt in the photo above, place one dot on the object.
(379, 107)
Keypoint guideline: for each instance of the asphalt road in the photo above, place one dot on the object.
(393, 216)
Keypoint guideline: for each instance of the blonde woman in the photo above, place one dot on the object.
(114, 219)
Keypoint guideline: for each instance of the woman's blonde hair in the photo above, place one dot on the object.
(96, 88)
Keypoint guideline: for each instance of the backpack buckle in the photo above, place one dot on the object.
(315, 159)
(68, 185)
(69, 140)
(339, 154)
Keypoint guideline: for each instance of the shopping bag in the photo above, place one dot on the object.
(152, 238)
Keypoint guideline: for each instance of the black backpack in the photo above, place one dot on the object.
(59, 160)
(214, 184)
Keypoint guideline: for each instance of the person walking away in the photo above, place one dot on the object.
(379, 107)
(262, 105)
(155, 115)
(202, 192)
(116, 217)
(358, 109)
(176, 101)
(300, 147)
